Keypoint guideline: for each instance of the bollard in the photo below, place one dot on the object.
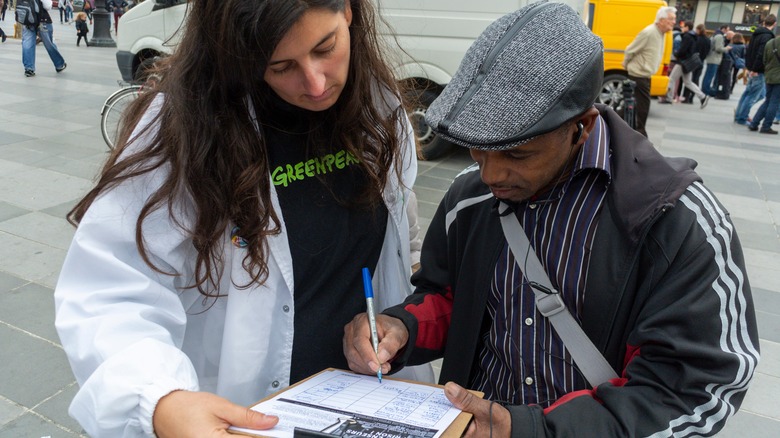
(629, 103)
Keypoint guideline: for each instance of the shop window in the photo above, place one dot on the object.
(686, 10)
(720, 12)
(755, 13)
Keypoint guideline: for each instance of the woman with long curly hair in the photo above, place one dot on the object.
(219, 254)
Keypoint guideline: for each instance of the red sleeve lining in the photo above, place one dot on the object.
(433, 320)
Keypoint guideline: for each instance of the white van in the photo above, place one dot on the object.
(148, 30)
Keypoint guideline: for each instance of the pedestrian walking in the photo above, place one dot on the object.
(45, 31)
(676, 41)
(686, 52)
(643, 57)
(703, 49)
(88, 8)
(81, 28)
(754, 63)
(61, 8)
(3, 8)
(118, 9)
(713, 59)
(68, 6)
(737, 54)
(768, 110)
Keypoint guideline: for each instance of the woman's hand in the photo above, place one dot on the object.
(202, 414)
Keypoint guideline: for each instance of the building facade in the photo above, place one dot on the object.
(741, 16)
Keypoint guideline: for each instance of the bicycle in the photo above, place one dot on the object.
(111, 115)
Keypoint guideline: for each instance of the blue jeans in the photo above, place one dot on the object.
(710, 83)
(768, 110)
(46, 33)
(754, 92)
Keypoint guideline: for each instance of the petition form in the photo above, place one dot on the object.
(346, 404)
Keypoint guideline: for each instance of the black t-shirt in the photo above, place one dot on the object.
(331, 238)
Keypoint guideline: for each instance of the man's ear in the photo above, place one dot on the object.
(578, 136)
(584, 125)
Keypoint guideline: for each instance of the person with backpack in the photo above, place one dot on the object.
(34, 17)
(768, 110)
(713, 59)
(754, 63)
(737, 54)
(677, 86)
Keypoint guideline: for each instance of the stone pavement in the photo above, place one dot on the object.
(51, 148)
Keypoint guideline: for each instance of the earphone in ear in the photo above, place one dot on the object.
(580, 128)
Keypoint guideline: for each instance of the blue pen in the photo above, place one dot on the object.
(369, 290)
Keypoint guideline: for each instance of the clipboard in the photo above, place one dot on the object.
(455, 429)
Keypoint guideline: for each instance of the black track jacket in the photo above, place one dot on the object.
(667, 301)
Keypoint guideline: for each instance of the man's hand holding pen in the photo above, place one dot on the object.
(359, 350)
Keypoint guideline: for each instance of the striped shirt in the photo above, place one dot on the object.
(522, 359)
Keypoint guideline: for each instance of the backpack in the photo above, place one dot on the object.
(27, 12)
(676, 40)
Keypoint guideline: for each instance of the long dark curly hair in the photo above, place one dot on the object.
(215, 157)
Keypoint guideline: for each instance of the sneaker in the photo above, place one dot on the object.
(64, 66)
(753, 128)
(664, 101)
(768, 131)
(29, 73)
(704, 100)
(743, 123)
(4, 37)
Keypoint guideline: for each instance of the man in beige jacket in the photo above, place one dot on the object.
(642, 59)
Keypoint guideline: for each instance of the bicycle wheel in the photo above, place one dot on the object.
(112, 114)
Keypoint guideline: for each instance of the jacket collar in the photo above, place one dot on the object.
(646, 182)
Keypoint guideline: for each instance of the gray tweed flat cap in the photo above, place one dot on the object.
(528, 73)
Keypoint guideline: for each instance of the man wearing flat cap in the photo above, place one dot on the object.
(629, 245)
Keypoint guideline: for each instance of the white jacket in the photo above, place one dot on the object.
(133, 335)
